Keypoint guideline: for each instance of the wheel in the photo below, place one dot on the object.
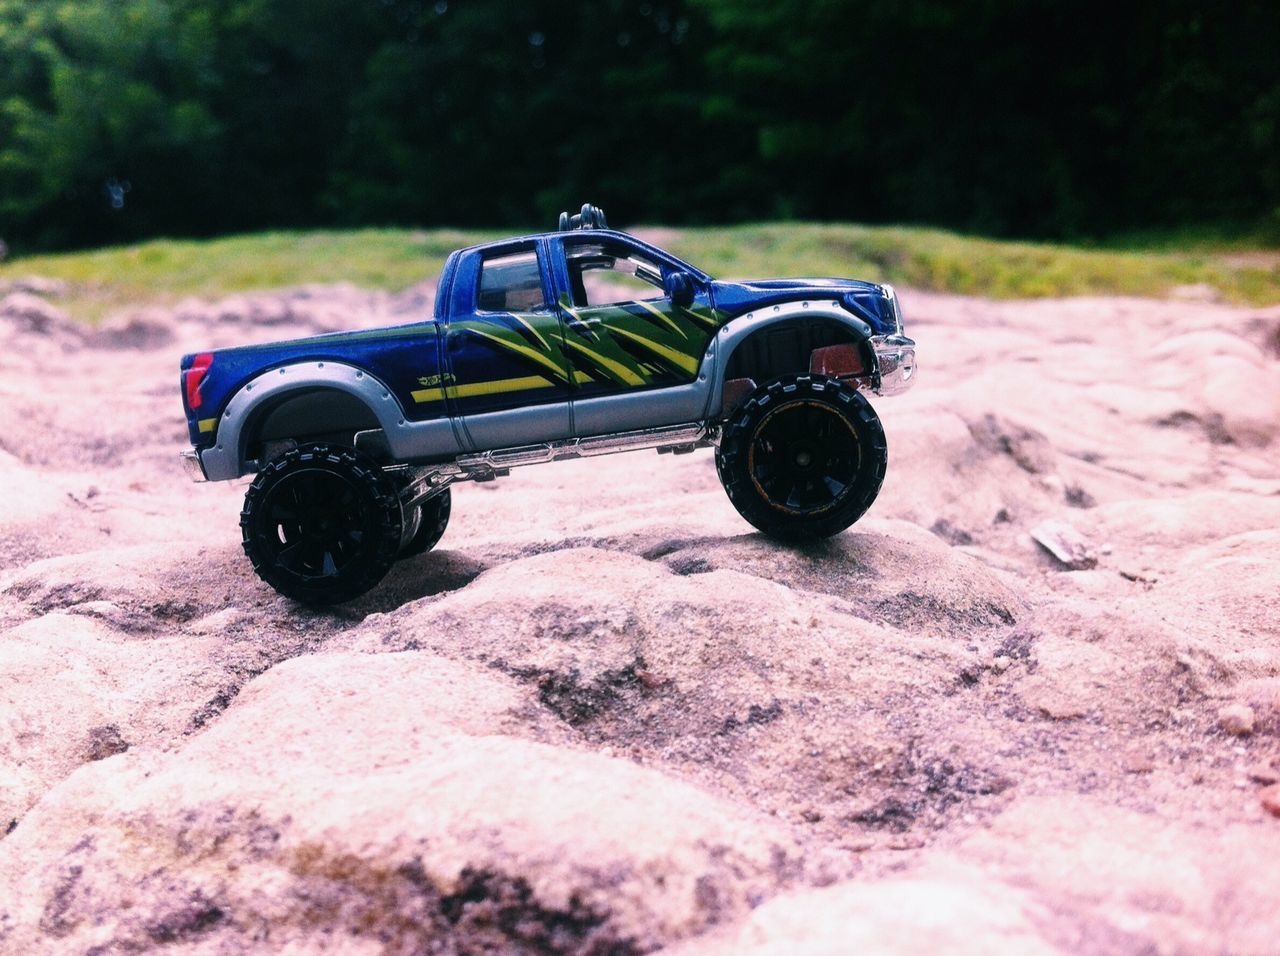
(321, 524)
(803, 457)
(433, 519)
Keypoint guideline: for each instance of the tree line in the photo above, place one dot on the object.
(121, 119)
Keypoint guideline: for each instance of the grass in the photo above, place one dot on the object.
(947, 262)
(163, 271)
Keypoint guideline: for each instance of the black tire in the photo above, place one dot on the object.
(803, 457)
(434, 519)
(321, 524)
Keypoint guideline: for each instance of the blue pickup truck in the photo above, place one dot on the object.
(583, 341)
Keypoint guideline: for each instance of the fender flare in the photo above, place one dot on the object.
(734, 332)
(225, 458)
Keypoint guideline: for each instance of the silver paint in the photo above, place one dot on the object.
(734, 332)
(609, 423)
(226, 458)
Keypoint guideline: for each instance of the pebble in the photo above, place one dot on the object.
(1236, 719)
(915, 843)
(1053, 703)
(1271, 799)
(1137, 761)
(1066, 544)
(1263, 773)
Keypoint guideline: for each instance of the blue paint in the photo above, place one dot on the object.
(863, 299)
(416, 356)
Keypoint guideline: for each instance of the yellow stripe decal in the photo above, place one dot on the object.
(500, 386)
(686, 362)
(526, 351)
(627, 376)
(484, 388)
(532, 331)
(662, 317)
(207, 425)
(710, 320)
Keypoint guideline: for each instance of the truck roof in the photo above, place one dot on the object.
(577, 233)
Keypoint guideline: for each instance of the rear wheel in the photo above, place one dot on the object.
(433, 519)
(803, 457)
(321, 524)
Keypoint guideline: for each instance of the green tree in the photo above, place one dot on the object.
(479, 111)
(1003, 116)
(127, 118)
(103, 109)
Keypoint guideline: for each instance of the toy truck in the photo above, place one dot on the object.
(579, 342)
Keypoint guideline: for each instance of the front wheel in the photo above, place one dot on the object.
(321, 524)
(803, 457)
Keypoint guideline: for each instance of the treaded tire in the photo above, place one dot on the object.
(803, 457)
(321, 524)
(435, 518)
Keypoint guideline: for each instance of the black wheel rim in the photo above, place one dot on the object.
(313, 524)
(804, 458)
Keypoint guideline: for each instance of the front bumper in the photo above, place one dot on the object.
(896, 357)
(191, 465)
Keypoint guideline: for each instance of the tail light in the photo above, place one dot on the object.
(194, 376)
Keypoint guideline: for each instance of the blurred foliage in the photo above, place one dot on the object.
(161, 272)
(122, 119)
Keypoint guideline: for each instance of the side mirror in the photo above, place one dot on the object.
(679, 288)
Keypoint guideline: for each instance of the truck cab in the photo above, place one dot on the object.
(573, 334)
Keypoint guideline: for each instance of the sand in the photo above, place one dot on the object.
(604, 716)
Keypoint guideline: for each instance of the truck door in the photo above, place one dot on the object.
(506, 377)
(636, 356)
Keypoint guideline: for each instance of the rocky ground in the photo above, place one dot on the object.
(605, 717)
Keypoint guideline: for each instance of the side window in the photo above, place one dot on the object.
(610, 274)
(511, 283)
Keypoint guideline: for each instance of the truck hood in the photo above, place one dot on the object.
(811, 283)
(866, 300)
